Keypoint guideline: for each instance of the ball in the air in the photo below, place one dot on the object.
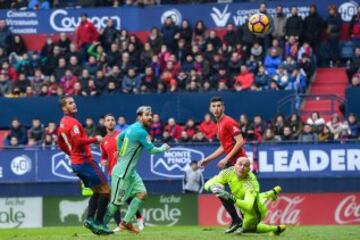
(259, 23)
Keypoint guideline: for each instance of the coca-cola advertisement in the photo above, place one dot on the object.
(292, 209)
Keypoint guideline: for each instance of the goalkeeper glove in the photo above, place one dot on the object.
(226, 195)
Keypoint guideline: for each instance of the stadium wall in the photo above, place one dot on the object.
(178, 105)
(174, 210)
(353, 101)
(297, 167)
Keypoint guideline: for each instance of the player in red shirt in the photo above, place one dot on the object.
(231, 143)
(72, 139)
(109, 157)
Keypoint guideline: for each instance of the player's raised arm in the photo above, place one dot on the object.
(145, 140)
(213, 184)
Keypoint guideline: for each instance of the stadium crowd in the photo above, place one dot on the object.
(174, 58)
(256, 130)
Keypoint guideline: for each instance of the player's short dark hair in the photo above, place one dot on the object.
(62, 101)
(216, 99)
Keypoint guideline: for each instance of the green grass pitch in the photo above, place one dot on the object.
(183, 233)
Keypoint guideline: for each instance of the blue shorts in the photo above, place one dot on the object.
(90, 173)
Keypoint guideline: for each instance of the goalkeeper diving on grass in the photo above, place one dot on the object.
(126, 182)
(245, 194)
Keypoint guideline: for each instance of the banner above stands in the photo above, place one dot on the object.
(143, 19)
(275, 161)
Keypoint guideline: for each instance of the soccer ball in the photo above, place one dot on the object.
(259, 23)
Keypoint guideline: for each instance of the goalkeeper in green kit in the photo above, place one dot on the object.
(245, 194)
(126, 182)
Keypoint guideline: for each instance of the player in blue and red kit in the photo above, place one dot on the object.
(231, 143)
(72, 139)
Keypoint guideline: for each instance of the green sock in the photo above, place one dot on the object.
(110, 211)
(133, 207)
(264, 228)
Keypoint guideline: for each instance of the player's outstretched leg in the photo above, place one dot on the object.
(139, 217)
(265, 228)
(133, 208)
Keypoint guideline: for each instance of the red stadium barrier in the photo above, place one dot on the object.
(292, 209)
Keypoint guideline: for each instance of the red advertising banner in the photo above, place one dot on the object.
(292, 209)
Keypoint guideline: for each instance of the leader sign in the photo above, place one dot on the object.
(309, 160)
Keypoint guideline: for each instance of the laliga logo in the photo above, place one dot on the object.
(284, 210)
(174, 14)
(61, 165)
(347, 10)
(61, 23)
(172, 163)
(348, 211)
(21, 165)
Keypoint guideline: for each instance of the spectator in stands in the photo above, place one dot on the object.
(281, 77)
(60, 70)
(258, 126)
(294, 25)
(333, 24)
(184, 137)
(155, 40)
(22, 83)
(208, 127)
(19, 4)
(39, 5)
(232, 36)
(90, 127)
(291, 47)
(325, 134)
(200, 138)
(287, 134)
(174, 129)
(64, 43)
(166, 137)
(354, 65)
(313, 25)
(278, 125)
(131, 82)
(52, 61)
(297, 81)
(48, 142)
(108, 34)
(289, 64)
(190, 128)
(245, 79)
(244, 124)
(186, 32)
(36, 131)
(156, 128)
(355, 82)
(5, 4)
(121, 124)
(336, 126)
(17, 49)
(279, 25)
(100, 127)
(3, 57)
(307, 134)
(170, 33)
(5, 36)
(19, 131)
(269, 136)
(353, 125)
(85, 34)
(199, 33)
(14, 142)
(272, 62)
(315, 121)
(354, 28)
(67, 82)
